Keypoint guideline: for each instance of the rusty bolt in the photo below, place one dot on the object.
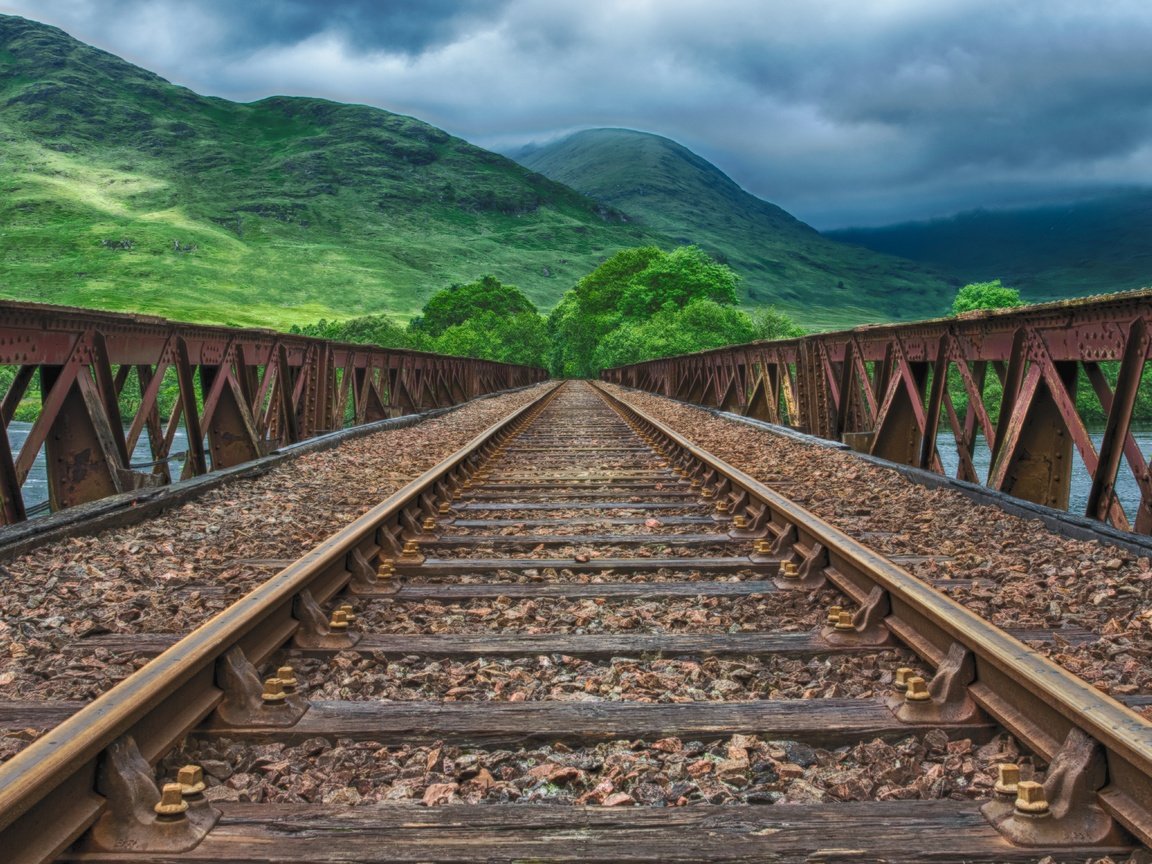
(834, 614)
(695, 482)
(339, 621)
(844, 622)
(429, 524)
(445, 508)
(917, 690)
(410, 548)
(740, 522)
(274, 695)
(349, 612)
(171, 804)
(1008, 779)
(721, 506)
(1030, 800)
(191, 780)
(708, 492)
(287, 676)
(902, 676)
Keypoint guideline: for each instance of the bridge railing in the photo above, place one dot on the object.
(1016, 385)
(233, 395)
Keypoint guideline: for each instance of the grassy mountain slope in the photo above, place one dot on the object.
(122, 191)
(1052, 252)
(783, 261)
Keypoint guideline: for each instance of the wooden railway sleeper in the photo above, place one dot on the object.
(316, 630)
(244, 705)
(138, 818)
(1064, 811)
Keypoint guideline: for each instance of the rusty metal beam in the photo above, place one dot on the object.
(246, 391)
(869, 387)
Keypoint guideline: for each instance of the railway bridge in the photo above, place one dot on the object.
(273, 598)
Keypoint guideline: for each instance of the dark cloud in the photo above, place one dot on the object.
(403, 26)
(840, 111)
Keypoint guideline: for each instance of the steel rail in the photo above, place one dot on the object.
(48, 791)
(1034, 698)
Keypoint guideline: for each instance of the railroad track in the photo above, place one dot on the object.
(574, 639)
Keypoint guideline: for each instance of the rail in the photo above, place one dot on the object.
(48, 792)
(244, 392)
(1037, 700)
(75, 775)
(887, 390)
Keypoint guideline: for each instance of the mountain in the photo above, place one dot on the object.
(670, 189)
(123, 191)
(1082, 247)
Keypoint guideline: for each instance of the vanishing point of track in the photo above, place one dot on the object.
(578, 498)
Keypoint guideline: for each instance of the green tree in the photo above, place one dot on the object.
(771, 323)
(700, 325)
(985, 295)
(459, 303)
(675, 279)
(631, 290)
(366, 330)
(521, 339)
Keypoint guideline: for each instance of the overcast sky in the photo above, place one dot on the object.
(841, 111)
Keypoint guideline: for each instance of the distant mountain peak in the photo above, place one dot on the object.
(671, 189)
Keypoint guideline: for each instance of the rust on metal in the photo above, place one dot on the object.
(48, 795)
(881, 389)
(248, 392)
(1035, 699)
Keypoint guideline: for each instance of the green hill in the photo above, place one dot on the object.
(1085, 247)
(122, 191)
(783, 261)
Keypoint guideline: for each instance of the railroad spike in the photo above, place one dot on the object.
(244, 704)
(900, 683)
(916, 690)
(1007, 780)
(809, 573)
(410, 554)
(944, 699)
(750, 524)
(1065, 809)
(318, 631)
(866, 625)
(192, 785)
(171, 806)
(287, 676)
(274, 695)
(138, 816)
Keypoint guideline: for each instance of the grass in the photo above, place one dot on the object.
(277, 212)
(783, 261)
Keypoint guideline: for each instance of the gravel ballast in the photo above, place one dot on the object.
(1026, 575)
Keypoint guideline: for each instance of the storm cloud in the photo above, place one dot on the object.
(842, 112)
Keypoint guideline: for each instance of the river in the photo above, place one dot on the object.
(36, 486)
